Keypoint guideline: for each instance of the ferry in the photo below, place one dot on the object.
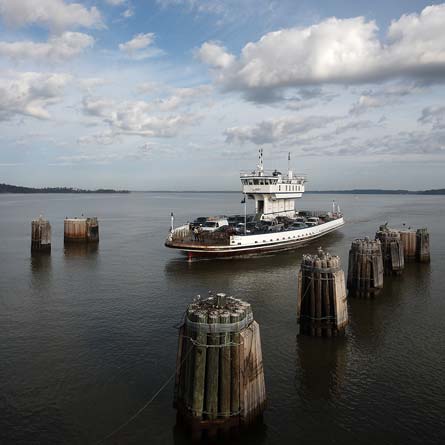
(276, 225)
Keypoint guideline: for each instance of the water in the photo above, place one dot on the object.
(87, 337)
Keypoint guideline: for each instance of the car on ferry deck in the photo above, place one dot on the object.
(213, 224)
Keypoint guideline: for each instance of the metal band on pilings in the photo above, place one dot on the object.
(219, 372)
(218, 328)
(320, 269)
(321, 301)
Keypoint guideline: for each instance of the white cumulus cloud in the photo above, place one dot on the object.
(337, 51)
(59, 47)
(136, 117)
(30, 93)
(140, 46)
(214, 54)
(55, 14)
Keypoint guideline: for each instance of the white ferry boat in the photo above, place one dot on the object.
(276, 224)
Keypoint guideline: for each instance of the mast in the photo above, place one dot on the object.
(245, 214)
(289, 171)
(260, 162)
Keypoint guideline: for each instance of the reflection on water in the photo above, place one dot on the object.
(255, 433)
(80, 249)
(41, 267)
(321, 366)
(40, 261)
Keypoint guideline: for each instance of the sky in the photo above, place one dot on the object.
(180, 94)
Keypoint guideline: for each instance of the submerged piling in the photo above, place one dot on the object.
(40, 235)
(321, 302)
(392, 250)
(365, 271)
(219, 372)
(81, 230)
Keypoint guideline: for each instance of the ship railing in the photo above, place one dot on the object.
(318, 213)
(183, 235)
(269, 174)
(180, 233)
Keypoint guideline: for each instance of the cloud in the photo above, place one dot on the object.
(57, 48)
(386, 95)
(181, 97)
(138, 47)
(55, 14)
(129, 12)
(334, 51)
(434, 116)
(104, 138)
(277, 130)
(353, 126)
(148, 87)
(30, 93)
(403, 143)
(229, 11)
(116, 2)
(90, 83)
(135, 117)
(202, 6)
(212, 53)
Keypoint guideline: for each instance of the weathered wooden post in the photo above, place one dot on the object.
(392, 250)
(422, 246)
(81, 230)
(409, 241)
(321, 302)
(40, 235)
(219, 368)
(365, 271)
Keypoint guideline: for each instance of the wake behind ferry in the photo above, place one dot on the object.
(275, 226)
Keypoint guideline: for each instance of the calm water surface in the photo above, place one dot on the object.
(88, 336)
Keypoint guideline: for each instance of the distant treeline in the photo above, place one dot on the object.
(382, 192)
(6, 188)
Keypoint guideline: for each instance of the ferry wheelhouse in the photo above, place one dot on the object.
(276, 224)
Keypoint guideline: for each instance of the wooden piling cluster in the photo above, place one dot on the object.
(321, 302)
(392, 250)
(219, 368)
(365, 271)
(422, 246)
(81, 230)
(416, 244)
(40, 235)
(409, 241)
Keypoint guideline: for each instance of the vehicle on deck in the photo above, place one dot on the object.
(198, 222)
(213, 224)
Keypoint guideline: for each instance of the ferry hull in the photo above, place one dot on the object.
(193, 250)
